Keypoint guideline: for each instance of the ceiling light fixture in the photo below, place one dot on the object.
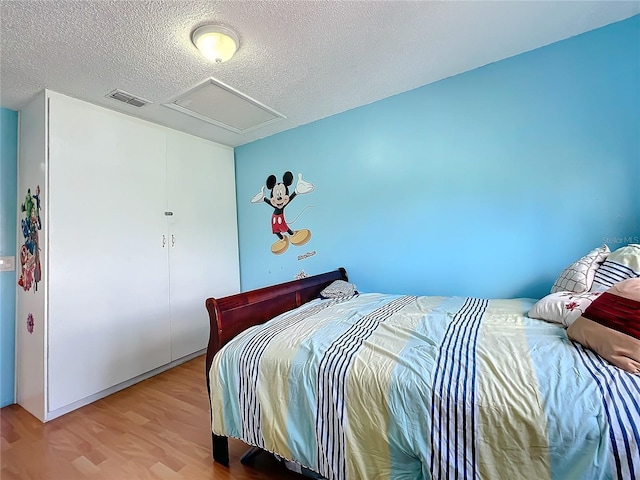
(215, 42)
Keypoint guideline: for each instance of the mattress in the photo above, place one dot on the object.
(381, 386)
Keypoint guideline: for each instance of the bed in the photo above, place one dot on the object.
(382, 386)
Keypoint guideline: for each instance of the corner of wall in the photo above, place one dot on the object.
(8, 187)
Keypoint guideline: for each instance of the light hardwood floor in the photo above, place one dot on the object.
(156, 429)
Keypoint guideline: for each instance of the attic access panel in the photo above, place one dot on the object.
(221, 105)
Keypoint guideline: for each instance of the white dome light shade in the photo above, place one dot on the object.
(216, 43)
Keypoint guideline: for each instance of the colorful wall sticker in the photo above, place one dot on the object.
(30, 323)
(31, 271)
(279, 199)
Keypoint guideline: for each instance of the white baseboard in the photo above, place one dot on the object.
(116, 388)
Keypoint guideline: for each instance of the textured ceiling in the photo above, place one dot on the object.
(305, 59)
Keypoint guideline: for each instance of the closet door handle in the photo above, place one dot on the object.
(173, 240)
(164, 241)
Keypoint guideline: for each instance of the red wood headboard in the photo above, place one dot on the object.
(228, 316)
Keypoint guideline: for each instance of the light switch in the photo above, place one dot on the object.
(7, 264)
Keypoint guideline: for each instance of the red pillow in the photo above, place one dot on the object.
(618, 308)
(610, 326)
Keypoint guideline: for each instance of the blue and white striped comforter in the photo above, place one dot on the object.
(380, 386)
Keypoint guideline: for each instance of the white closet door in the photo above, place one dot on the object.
(203, 235)
(108, 292)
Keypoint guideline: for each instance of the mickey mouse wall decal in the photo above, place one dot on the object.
(279, 199)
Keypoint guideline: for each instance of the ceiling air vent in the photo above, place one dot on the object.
(127, 98)
(214, 102)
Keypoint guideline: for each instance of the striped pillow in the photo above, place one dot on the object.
(621, 264)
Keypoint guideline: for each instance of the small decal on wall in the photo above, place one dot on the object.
(306, 255)
(279, 199)
(30, 323)
(31, 270)
(300, 275)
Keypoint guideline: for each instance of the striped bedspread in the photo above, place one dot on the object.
(380, 386)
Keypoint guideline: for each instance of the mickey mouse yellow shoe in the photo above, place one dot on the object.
(300, 237)
(280, 246)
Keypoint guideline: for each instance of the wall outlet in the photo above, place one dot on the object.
(7, 264)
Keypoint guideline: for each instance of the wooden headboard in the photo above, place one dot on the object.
(228, 316)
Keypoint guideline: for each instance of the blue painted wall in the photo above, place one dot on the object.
(487, 183)
(8, 219)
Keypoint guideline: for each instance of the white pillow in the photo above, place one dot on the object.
(337, 289)
(578, 277)
(623, 263)
(562, 307)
